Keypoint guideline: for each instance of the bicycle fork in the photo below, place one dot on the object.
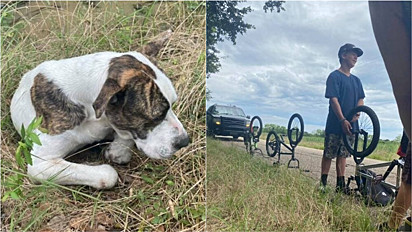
(293, 159)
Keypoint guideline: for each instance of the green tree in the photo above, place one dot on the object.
(319, 133)
(225, 21)
(278, 129)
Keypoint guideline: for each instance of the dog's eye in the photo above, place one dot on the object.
(113, 100)
(134, 134)
(117, 98)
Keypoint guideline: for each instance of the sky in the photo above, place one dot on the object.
(281, 67)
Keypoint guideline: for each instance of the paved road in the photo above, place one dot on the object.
(310, 160)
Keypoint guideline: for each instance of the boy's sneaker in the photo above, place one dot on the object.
(344, 190)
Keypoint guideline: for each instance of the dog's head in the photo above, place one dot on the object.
(137, 99)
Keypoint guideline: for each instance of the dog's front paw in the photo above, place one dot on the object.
(118, 153)
(107, 177)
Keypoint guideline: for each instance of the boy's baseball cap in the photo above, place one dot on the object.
(350, 47)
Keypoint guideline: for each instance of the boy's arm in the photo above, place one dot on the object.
(346, 126)
(360, 102)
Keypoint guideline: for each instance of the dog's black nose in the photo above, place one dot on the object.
(181, 142)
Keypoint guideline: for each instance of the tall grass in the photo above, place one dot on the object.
(313, 142)
(150, 195)
(248, 194)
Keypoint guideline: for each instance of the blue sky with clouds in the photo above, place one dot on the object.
(281, 67)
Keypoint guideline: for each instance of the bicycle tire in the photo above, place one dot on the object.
(259, 132)
(298, 126)
(366, 120)
(272, 144)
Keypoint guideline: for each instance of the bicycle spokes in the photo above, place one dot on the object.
(365, 132)
(295, 129)
(272, 144)
(256, 127)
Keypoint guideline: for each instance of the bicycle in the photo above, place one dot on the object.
(362, 142)
(295, 132)
(251, 137)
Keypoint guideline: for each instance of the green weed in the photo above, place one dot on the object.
(14, 183)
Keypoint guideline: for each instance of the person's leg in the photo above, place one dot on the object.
(389, 21)
(329, 153)
(340, 173)
(340, 166)
(325, 167)
(403, 199)
(402, 203)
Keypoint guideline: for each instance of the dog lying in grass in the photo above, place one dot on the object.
(85, 99)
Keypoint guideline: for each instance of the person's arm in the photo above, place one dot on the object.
(346, 126)
(360, 102)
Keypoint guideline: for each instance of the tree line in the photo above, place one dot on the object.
(283, 130)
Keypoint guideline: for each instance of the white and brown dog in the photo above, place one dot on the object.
(84, 99)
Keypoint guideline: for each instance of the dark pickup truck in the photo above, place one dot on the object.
(227, 121)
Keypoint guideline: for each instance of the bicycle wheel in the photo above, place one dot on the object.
(295, 129)
(256, 127)
(365, 132)
(272, 144)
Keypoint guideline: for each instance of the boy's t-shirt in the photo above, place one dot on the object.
(348, 91)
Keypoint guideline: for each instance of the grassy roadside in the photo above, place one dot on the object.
(385, 151)
(151, 195)
(247, 194)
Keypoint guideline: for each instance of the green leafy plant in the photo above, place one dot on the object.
(14, 183)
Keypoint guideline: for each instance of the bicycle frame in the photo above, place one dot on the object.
(294, 133)
(292, 153)
(251, 140)
(251, 144)
(367, 148)
(379, 178)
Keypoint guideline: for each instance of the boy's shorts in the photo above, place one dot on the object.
(334, 147)
(406, 171)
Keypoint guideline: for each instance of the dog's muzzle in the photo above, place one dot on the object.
(181, 141)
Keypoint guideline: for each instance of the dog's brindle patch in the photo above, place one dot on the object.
(59, 113)
(130, 97)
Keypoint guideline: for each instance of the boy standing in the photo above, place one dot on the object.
(345, 92)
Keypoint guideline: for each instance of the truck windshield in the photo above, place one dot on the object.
(227, 110)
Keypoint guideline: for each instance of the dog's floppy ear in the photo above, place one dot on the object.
(153, 47)
(122, 69)
(110, 88)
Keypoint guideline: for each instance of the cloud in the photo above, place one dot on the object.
(281, 67)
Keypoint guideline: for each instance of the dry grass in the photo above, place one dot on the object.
(246, 193)
(151, 195)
